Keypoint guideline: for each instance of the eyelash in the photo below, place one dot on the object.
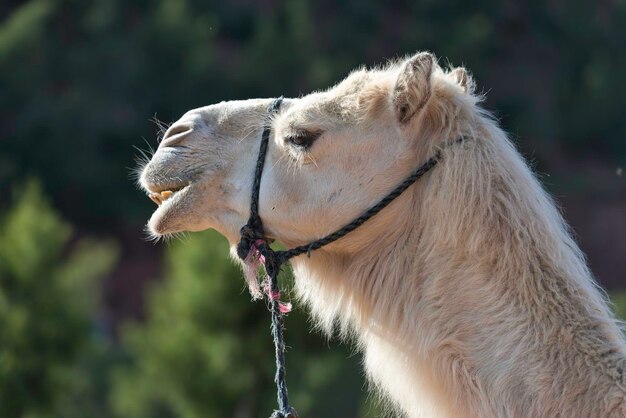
(303, 139)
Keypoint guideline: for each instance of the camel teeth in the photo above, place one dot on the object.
(156, 198)
(166, 194)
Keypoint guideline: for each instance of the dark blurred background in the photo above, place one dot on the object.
(95, 321)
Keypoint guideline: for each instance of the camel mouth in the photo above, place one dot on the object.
(173, 203)
(173, 191)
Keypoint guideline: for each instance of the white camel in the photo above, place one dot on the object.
(467, 295)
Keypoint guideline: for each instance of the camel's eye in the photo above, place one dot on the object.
(303, 139)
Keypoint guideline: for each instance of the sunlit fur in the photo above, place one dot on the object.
(467, 295)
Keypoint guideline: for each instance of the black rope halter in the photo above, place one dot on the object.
(255, 245)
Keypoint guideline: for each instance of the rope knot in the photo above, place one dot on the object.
(249, 234)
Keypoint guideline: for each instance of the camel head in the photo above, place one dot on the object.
(331, 154)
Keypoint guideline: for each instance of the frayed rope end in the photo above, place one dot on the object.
(253, 261)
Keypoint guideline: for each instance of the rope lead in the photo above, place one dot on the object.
(254, 249)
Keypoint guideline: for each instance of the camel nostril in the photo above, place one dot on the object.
(175, 134)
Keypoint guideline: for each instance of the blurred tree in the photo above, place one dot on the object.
(206, 351)
(619, 300)
(48, 297)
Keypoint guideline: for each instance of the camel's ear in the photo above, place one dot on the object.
(461, 77)
(413, 89)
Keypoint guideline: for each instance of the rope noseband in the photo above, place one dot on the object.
(254, 249)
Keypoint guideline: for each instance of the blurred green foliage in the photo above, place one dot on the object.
(619, 300)
(206, 350)
(48, 300)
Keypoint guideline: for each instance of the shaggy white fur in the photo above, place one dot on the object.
(467, 295)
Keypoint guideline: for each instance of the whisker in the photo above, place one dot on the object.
(161, 126)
